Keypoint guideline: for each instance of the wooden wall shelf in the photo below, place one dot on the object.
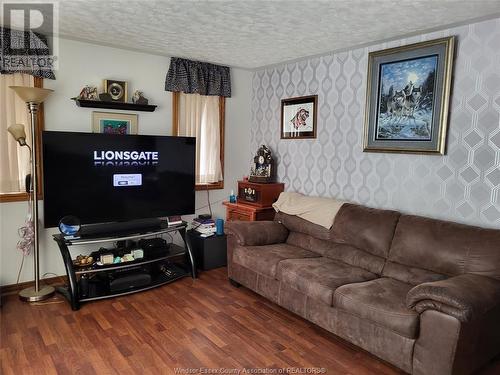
(114, 105)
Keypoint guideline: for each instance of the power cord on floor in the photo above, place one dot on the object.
(53, 300)
(49, 273)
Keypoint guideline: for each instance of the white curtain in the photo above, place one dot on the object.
(14, 159)
(199, 117)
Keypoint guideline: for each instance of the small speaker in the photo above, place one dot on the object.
(84, 286)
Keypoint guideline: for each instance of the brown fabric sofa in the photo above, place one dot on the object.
(422, 294)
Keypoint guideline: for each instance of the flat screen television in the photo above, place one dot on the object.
(102, 178)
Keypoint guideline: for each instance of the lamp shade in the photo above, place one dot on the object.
(17, 131)
(31, 94)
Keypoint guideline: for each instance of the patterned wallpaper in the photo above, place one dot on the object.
(463, 185)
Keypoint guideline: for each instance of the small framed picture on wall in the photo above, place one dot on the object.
(117, 90)
(298, 117)
(114, 123)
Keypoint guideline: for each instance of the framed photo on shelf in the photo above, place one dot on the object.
(298, 117)
(114, 123)
(407, 98)
(117, 90)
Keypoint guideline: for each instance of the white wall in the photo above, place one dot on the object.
(463, 185)
(83, 63)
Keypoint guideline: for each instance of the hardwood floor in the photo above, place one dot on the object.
(190, 324)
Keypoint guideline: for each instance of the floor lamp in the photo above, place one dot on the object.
(33, 96)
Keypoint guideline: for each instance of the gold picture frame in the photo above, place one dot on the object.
(407, 98)
(114, 123)
(118, 90)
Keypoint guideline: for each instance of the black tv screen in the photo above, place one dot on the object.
(106, 177)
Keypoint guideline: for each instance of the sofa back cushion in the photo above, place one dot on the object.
(304, 234)
(296, 224)
(360, 236)
(342, 252)
(308, 242)
(426, 249)
(368, 229)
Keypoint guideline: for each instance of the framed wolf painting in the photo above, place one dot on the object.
(407, 98)
(298, 117)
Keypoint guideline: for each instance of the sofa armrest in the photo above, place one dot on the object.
(257, 233)
(465, 297)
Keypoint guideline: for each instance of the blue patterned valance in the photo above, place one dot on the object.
(192, 77)
(25, 52)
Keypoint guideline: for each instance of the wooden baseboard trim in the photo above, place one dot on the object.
(10, 289)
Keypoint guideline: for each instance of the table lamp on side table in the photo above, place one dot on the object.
(33, 96)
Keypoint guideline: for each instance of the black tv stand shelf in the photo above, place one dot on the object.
(160, 280)
(175, 263)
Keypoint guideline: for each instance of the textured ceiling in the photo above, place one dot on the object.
(252, 34)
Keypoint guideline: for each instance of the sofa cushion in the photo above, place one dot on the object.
(340, 252)
(264, 259)
(256, 233)
(355, 257)
(381, 301)
(296, 224)
(410, 275)
(308, 242)
(319, 277)
(442, 248)
(360, 236)
(365, 228)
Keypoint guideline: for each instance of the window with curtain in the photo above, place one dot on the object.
(199, 92)
(202, 116)
(14, 159)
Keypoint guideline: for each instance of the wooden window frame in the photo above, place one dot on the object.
(23, 196)
(175, 132)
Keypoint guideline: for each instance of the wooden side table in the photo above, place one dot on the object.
(246, 212)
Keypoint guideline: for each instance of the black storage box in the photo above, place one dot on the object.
(209, 252)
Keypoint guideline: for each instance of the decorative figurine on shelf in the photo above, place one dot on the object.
(263, 169)
(89, 93)
(138, 98)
